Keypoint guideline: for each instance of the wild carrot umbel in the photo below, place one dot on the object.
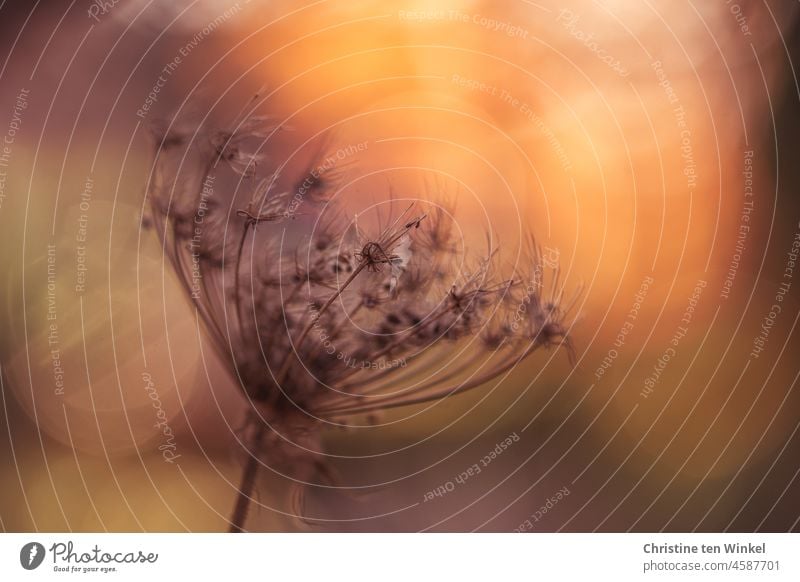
(323, 313)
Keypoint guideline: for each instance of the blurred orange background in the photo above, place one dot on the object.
(624, 135)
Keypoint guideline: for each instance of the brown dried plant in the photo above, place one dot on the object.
(356, 316)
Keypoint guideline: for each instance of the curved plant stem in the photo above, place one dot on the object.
(236, 276)
(246, 486)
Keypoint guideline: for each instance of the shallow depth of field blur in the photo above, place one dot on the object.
(651, 147)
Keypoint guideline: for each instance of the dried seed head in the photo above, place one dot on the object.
(324, 321)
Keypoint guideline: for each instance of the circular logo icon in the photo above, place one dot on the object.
(31, 555)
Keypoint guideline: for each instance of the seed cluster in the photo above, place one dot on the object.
(325, 314)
